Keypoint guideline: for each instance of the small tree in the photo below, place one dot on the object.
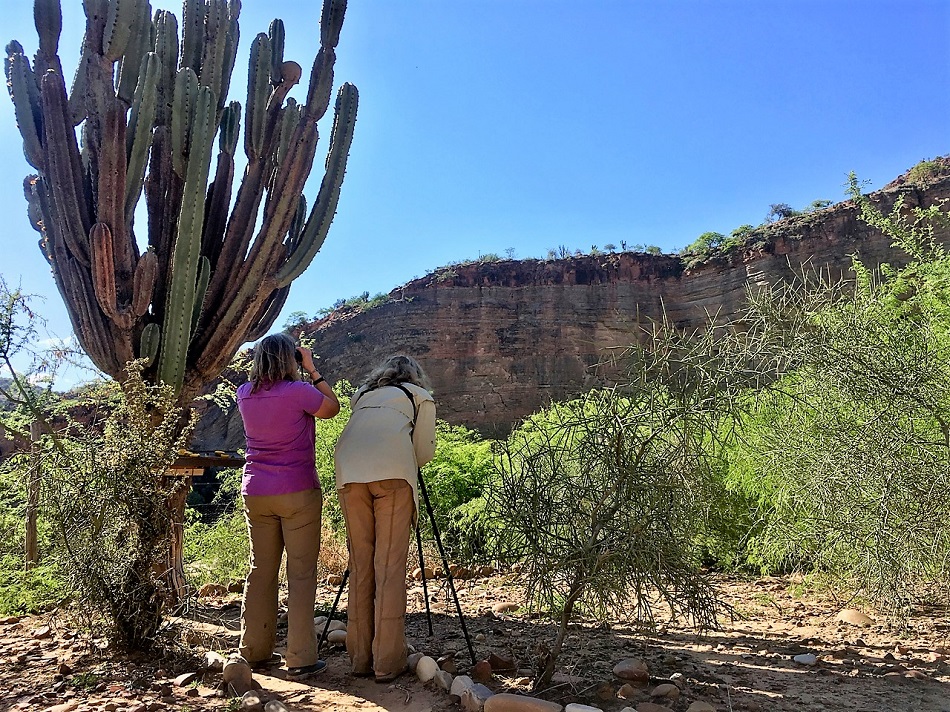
(601, 497)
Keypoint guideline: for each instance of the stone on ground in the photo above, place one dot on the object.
(632, 669)
(506, 702)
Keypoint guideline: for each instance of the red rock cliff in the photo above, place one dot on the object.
(501, 339)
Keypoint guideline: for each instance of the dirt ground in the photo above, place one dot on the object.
(748, 664)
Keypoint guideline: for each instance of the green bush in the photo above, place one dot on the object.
(924, 172)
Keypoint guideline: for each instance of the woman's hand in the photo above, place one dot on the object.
(306, 362)
(330, 405)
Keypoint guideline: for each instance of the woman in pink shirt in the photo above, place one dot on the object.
(282, 499)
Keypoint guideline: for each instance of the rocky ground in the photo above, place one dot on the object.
(786, 650)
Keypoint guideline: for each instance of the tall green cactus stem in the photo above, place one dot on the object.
(149, 103)
(26, 103)
(181, 299)
(139, 133)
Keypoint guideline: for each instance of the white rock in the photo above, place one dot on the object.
(337, 625)
(505, 607)
(459, 684)
(578, 707)
(475, 698)
(853, 616)
(444, 680)
(213, 662)
(276, 706)
(319, 621)
(806, 659)
(426, 668)
(337, 637)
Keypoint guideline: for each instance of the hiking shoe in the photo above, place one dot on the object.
(304, 671)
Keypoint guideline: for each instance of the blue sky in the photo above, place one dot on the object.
(486, 125)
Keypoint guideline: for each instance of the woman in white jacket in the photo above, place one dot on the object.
(390, 435)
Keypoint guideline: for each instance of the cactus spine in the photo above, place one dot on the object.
(150, 102)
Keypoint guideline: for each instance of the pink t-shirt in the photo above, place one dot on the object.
(280, 431)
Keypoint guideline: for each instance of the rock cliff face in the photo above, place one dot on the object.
(501, 339)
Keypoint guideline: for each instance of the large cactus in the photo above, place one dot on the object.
(215, 272)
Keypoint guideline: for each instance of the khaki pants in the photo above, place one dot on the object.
(275, 523)
(379, 518)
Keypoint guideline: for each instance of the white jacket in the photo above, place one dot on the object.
(375, 444)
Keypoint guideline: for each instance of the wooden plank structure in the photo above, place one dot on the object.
(185, 468)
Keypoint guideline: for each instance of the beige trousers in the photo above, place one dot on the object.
(379, 518)
(275, 523)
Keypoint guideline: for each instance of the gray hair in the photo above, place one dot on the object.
(398, 369)
(272, 359)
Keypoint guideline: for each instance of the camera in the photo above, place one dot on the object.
(298, 357)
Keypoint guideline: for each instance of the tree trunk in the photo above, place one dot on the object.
(171, 569)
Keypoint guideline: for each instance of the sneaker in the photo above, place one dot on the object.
(295, 672)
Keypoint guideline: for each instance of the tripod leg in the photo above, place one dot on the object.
(336, 602)
(445, 563)
(425, 588)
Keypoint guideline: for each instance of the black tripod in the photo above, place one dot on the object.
(422, 566)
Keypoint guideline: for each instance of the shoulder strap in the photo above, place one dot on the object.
(415, 411)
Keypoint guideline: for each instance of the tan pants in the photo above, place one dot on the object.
(379, 518)
(275, 523)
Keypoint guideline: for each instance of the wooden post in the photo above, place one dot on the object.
(171, 569)
(173, 566)
(32, 501)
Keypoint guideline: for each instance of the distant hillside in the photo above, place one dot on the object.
(500, 339)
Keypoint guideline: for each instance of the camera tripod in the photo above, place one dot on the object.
(422, 566)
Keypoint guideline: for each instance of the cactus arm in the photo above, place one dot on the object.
(121, 18)
(40, 213)
(103, 269)
(93, 332)
(268, 314)
(213, 59)
(166, 47)
(230, 51)
(258, 89)
(139, 135)
(321, 84)
(331, 22)
(132, 63)
(183, 114)
(26, 104)
(192, 34)
(216, 208)
(48, 19)
(148, 343)
(163, 198)
(64, 169)
(289, 120)
(276, 35)
(297, 224)
(315, 232)
(201, 288)
(180, 302)
(143, 282)
(111, 204)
